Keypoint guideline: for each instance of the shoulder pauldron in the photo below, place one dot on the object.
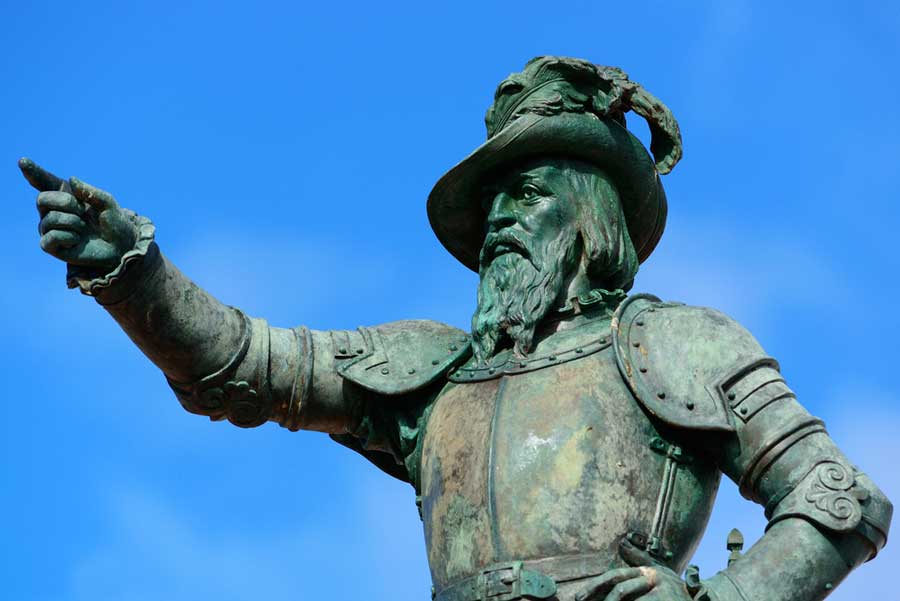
(399, 357)
(682, 362)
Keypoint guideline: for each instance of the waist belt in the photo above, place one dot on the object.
(524, 579)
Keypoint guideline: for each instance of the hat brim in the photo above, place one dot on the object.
(454, 206)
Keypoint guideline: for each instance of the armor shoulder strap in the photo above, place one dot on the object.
(403, 356)
(680, 361)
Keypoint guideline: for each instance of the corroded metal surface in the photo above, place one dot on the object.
(570, 446)
(560, 461)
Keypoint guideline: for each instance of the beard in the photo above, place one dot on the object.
(518, 289)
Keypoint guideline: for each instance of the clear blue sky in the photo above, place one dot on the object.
(285, 152)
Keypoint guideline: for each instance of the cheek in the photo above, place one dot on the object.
(548, 218)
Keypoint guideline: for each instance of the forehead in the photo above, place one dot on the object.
(545, 169)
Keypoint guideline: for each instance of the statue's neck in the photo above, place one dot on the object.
(582, 300)
(595, 303)
(578, 285)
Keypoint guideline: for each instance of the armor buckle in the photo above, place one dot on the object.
(500, 583)
(510, 582)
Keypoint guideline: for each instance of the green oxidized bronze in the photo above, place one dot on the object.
(569, 447)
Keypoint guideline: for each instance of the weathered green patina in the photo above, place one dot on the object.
(568, 448)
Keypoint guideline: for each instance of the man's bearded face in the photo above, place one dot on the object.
(530, 252)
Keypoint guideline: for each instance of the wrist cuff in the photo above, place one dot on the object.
(86, 279)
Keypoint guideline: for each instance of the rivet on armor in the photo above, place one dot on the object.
(342, 351)
(491, 370)
(434, 361)
(603, 341)
(359, 351)
(636, 344)
(689, 405)
(522, 364)
(551, 358)
(453, 347)
(661, 395)
(639, 322)
(828, 586)
(385, 370)
(579, 350)
(743, 411)
(731, 396)
(411, 371)
(642, 369)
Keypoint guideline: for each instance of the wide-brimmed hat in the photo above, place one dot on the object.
(561, 107)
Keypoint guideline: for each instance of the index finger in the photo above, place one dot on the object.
(41, 179)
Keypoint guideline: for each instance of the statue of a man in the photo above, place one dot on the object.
(571, 445)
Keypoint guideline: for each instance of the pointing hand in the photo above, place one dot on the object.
(80, 224)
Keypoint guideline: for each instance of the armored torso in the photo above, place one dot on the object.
(552, 457)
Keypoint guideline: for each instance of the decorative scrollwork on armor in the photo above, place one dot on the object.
(224, 396)
(242, 404)
(833, 491)
(211, 399)
(828, 495)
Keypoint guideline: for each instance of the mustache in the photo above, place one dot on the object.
(504, 241)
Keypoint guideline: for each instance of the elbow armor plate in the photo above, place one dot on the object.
(241, 391)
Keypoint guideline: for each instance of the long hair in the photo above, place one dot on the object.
(609, 255)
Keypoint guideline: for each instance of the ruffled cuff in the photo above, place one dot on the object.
(91, 283)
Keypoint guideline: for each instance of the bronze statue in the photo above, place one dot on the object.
(570, 447)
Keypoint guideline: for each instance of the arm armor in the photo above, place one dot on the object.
(225, 365)
(219, 362)
(696, 369)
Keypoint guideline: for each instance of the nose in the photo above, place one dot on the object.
(501, 214)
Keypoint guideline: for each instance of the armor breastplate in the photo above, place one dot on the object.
(553, 457)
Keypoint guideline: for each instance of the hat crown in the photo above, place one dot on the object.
(550, 85)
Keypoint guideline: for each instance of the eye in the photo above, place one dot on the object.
(530, 193)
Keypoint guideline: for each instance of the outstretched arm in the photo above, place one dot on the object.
(219, 362)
